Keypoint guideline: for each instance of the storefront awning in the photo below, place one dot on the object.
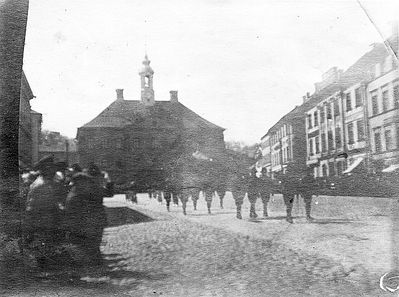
(391, 168)
(354, 165)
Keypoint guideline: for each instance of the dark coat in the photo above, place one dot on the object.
(42, 208)
(84, 211)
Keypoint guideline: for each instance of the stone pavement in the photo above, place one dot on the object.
(353, 232)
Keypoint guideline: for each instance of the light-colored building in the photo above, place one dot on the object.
(336, 124)
(383, 111)
(285, 142)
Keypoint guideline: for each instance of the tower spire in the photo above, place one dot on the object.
(146, 75)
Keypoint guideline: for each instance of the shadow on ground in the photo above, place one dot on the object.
(281, 218)
(332, 221)
(111, 278)
(118, 216)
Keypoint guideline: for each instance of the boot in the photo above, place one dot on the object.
(289, 216)
(239, 216)
(221, 203)
(208, 204)
(307, 210)
(195, 204)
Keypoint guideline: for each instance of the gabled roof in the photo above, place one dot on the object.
(121, 113)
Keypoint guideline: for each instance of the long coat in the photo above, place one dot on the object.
(85, 215)
(42, 207)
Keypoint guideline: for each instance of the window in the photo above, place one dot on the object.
(324, 169)
(311, 147)
(135, 143)
(309, 121)
(317, 144)
(329, 116)
(360, 130)
(388, 140)
(385, 100)
(316, 119)
(331, 169)
(396, 95)
(351, 139)
(374, 102)
(336, 108)
(322, 114)
(118, 143)
(323, 142)
(288, 153)
(377, 141)
(338, 139)
(330, 140)
(348, 102)
(340, 167)
(358, 97)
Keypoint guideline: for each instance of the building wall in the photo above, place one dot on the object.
(383, 112)
(128, 152)
(36, 126)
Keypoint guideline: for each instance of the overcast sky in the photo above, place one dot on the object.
(240, 64)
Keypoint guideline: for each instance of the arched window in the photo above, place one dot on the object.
(146, 81)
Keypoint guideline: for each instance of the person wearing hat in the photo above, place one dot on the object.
(85, 212)
(42, 221)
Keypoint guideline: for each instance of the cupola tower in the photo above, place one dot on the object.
(147, 88)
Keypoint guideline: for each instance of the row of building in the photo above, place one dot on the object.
(349, 124)
(31, 147)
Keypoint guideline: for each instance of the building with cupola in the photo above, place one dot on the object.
(134, 140)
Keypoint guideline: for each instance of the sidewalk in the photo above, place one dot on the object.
(354, 232)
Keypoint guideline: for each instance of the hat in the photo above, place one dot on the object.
(61, 166)
(44, 163)
(93, 170)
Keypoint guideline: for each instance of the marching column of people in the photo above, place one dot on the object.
(241, 183)
(65, 216)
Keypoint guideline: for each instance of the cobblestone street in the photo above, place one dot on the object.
(150, 252)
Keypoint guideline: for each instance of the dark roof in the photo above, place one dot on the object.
(121, 113)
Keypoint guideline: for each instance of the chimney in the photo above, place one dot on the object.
(308, 95)
(173, 96)
(119, 94)
(304, 99)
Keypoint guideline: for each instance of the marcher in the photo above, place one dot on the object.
(265, 189)
(221, 192)
(253, 192)
(289, 189)
(239, 187)
(195, 192)
(308, 188)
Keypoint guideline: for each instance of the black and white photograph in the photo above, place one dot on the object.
(199, 148)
